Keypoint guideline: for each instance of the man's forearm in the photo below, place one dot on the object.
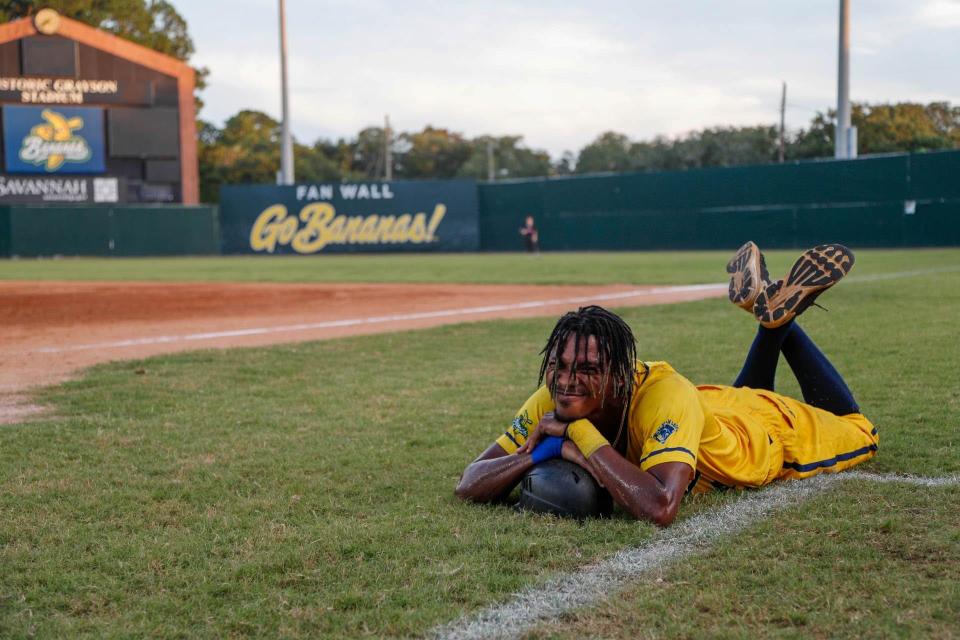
(653, 495)
(642, 493)
(485, 480)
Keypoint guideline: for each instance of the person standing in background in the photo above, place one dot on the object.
(530, 235)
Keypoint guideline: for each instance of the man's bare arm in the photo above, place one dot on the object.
(495, 472)
(492, 475)
(653, 495)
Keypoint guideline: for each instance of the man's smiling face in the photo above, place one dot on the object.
(583, 394)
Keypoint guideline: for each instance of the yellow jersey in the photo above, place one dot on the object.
(730, 437)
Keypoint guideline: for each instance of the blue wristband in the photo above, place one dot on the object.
(547, 449)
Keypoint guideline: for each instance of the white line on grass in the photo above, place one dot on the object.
(592, 584)
(876, 277)
(399, 317)
(920, 481)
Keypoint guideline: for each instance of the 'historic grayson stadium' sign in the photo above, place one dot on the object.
(435, 215)
(53, 139)
(56, 90)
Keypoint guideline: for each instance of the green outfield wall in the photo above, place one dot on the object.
(880, 201)
(897, 200)
(108, 230)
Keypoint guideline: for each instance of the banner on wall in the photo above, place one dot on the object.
(430, 215)
(53, 140)
(23, 189)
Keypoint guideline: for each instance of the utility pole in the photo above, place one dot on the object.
(387, 149)
(491, 169)
(286, 144)
(783, 111)
(842, 135)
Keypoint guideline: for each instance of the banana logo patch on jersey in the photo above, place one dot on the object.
(521, 424)
(664, 431)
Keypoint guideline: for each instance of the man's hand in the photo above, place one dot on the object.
(571, 452)
(549, 425)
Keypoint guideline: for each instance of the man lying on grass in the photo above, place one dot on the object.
(649, 436)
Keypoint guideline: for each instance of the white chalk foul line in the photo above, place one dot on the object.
(919, 481)
(877, 277)
(595, 583)
(399, 317)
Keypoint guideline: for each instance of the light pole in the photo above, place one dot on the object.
(387, 150)
(845, 137)
(286, 144)
(783, 117)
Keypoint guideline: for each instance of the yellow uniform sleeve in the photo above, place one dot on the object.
(666, 424)
(586, 436)
(526, 419)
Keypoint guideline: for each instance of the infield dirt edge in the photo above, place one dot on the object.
(56, 329)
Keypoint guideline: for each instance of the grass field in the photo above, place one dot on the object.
(505, 268)
(306, 490)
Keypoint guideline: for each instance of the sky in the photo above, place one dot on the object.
(561, 73)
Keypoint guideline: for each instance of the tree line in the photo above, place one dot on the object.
(247, 148)
(881, 128)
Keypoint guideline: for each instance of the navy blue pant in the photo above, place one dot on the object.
(820, 382)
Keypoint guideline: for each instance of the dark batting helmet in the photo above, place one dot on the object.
(564, 489)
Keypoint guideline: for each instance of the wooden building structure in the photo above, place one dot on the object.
(91, 117)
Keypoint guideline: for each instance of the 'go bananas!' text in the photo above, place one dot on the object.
(322, 227)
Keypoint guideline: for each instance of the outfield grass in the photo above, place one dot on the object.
(306, 490)
(669, 267)
(860, 562)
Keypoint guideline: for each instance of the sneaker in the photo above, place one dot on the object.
(815, 271)
(748, 275)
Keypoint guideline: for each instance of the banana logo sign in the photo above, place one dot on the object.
(350, 217)
(322, 227)
(52, 143)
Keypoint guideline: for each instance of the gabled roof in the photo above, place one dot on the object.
(98, 39)
(145, 57)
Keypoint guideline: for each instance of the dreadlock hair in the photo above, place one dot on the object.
(615, 343)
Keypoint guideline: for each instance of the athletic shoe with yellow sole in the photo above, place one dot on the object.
(815, 271)
(748, 275)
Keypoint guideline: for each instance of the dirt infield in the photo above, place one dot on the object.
(52, 330)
